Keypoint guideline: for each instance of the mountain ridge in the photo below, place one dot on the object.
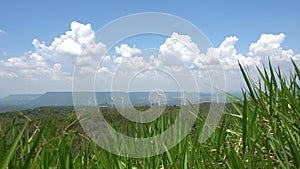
(105, 98)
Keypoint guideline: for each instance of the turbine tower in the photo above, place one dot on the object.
(184, 99)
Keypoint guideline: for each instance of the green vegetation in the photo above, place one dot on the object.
(260, 130)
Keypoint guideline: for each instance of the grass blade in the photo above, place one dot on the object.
(13, 148)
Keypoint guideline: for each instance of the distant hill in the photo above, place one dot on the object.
(54, 99)
(104, 99)
(17, 102)
(20, 97)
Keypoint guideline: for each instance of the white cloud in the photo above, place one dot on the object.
(30, 66)
(104, 70)
(229, 56)
(7, 75)
(78, 46)
(180, 46)
(56, 61)
(130, 60)
(2, 31)
(269, 46)
(71, 44)
(208, 59)
(204, 65)
(266, 44)
(125, 51)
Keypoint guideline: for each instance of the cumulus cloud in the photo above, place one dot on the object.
(203, 64)
(229, 56)
(31, 66)
(208, 59)
(125, 51)
(2, 31)
(269, 47)
(180, 46)
(56, 61)
(129, 61)
(78, 46)
(70, 45)
(267, 43)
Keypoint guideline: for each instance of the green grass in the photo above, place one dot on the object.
(259, 130)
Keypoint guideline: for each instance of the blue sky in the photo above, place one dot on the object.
(23, 21)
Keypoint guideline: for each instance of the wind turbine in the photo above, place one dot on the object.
(159, 95)
(184, 100)
(123, 102)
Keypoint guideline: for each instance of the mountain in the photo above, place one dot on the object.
(20, 97)
(17, 102)
(104, 99)
(54, 99)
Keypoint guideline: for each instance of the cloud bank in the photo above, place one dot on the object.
(78, 46)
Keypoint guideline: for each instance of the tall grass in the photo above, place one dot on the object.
(262, 131)
(270, 119)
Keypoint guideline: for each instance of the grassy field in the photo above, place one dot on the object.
(259, 130)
